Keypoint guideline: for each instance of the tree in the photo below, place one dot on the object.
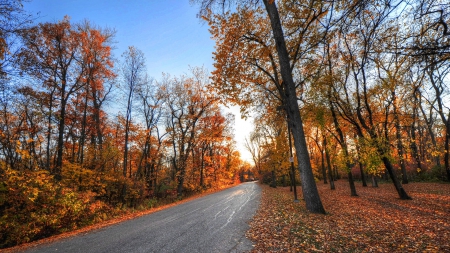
(133, 75)
(51, 55)
(287, 88)
(437, 72)
(12, 20)
(151, 111)
(98, 63)
(186, 102)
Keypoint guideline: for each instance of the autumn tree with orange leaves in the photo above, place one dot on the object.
(267, 64)
(353, 60)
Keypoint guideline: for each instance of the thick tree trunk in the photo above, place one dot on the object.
(351, 182)
(390, 169)
(310, 192)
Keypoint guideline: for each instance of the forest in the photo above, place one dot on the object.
(356, 90)
(84, 137)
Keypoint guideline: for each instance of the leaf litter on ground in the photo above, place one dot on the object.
(375, 221)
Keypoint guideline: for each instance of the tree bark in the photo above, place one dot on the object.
(363, 176)
(83, 131)
(324, 172)
(62, 118)
(399, 140)
(127, 131)
(374, 181)
(330, 172)
(49, 130)
(401, 192)
(343, 144)
(414, 149)
(310, 192)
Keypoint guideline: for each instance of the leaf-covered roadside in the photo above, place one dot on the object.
(376, 221)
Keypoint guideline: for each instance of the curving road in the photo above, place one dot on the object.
(215, 223)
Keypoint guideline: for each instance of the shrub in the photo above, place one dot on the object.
(33, 205)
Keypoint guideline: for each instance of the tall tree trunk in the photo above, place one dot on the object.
(83, 132)
(324, 172)
(343, 144)
(125, 153)
(351, 182)
(49, 130)
(310, 192)
(429, 123)
(414, 149)
(143, 162)
(330, 173)
(291, 160)
(399, 139)
(127, 131)
(97, 102)
(445, 120)
(61, 126)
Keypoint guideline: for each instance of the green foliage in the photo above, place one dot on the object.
(153, 202)
(435, 174)
(369, 155)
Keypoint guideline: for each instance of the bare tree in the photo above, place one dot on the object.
(133, 78)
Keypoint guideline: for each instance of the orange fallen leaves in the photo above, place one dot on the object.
(376, 221)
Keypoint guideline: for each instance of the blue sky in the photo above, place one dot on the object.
(167, 31)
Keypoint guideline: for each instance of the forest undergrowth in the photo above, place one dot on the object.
(375, 221)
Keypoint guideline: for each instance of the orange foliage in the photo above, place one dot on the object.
(376, 221)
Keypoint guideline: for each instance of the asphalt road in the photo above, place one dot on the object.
(215, 223)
